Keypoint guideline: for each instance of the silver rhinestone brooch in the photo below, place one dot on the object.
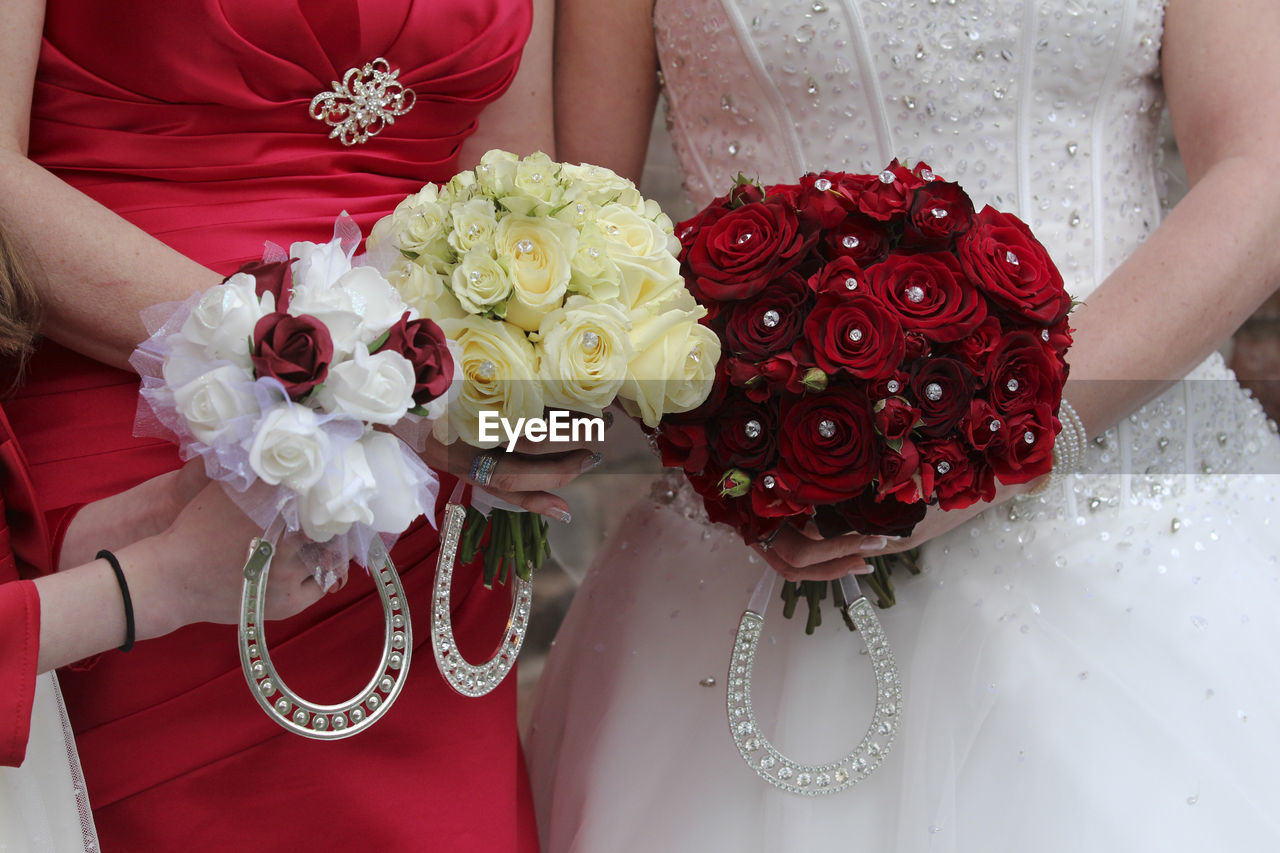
(366, 102)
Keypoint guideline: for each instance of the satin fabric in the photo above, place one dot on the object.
(190, 120)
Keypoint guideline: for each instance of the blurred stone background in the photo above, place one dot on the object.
(602, 498)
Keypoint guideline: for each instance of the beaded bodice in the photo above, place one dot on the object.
(1048, 110)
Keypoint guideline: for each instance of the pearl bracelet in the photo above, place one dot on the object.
(1068, 449)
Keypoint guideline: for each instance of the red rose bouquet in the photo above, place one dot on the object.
(886, 348)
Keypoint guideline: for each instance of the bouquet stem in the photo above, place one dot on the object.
(879, 580)
(509, 540)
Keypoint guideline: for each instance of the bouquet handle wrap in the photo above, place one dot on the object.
(470, 679)
(290, 711)
(761, 755)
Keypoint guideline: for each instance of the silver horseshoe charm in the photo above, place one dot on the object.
(324, 722)
(774, 767)
(463, 676)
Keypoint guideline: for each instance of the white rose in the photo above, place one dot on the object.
(649, 282)
(495, 176)
(424, 291)
(356, 308)
(397, 500)
(595, 183)
(472, 224)
(479, 282)
(340, 498)
(376, 388)
(593, 271)
(583, 354)
(211, 402)
(631, 234)
(500, 374)
(536, 253)
(289, 447)
(317, 265)
(222, 322)
(645, 255)
(674, 365)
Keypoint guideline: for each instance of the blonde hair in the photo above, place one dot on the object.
(20, 306)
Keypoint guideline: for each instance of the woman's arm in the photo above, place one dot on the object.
(606, 83)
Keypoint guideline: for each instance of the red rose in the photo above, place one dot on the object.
(841, 276)
(869, 516)
(768, 324)
(859, 238)
(1024, 450)
(948, 472)
(976, 348)
(940, 212)
(294, 350)
(890, 385)
(895, 418)
(1023, 374)
(899, 474)
(855, 334)
(1058, 339)
(830, 443)
(823, 199)
(942, 389)
(761, 380)
(742, 251)
(1001, 256)
(923, 171)
(744, 435)
(773, 495)
(735, 512)
(984, 426)
(423, 343)
(883, 195)
(918, 346)
(683, 446)
(930, 294)
(272, 277)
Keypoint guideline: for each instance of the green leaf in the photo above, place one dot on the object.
(376, 343)
(413, 256)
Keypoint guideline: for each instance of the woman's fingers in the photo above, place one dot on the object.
(828, 570)
(798, 550)
(515, 473)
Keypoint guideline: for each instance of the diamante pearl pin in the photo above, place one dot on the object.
(752, 428)
(590, 340)
(524, 247)
(855, 335)
(943, 467)
(995, 425)
(939, 213)
(915, 293)
(887, 177)
(768, 481)
(851, 283)
(771, 318)
(850, 242)
(933, 392)
(822, 185)
(894, 386)
(1011, 258)
(1012, 385)
(1029, 437)
(826, 428)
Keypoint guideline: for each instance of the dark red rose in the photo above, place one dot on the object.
(942, 389)
(762, 380)
(294, 350)
(824, 199)
(829, 441)
(855, 334)
(900, 474)
(930, 294)
(773, 495)
(1058, 339)
(746, 248)
(272, 277)
(984, 426)
(859, 238)
(892, 384)
(918, 346)
(768, 324)
(940, 212)
(895, 417)
(687, 231)
(976, 348)
(789, 193)
(735, 512)
(1000, 255)
(1023, 374)
(871, 517)
(884, 195)
(683, 446)
(423, 343)
(744, 434)
(1024, 450)
(841, 276)
(950, 473)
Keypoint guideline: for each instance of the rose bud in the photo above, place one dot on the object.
(815, 379)
(895, 418)
(734, 483)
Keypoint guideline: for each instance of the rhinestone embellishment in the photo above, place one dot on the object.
(915, 293)
(826, 428)
(943, 467)
(590, 340)
(933, 392)
(850, 242)
(894, 386)
(1012, 385)
(850, 283)
(771, 318)
(366, 102)
(822, 185)
(752, 429)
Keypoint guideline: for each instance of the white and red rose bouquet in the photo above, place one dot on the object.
(886, 348)
(280, 378)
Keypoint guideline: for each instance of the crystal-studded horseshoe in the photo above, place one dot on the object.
(324, 722)
(776, 768)
(463, 676)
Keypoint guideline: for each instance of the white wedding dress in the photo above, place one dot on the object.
(1091, 670)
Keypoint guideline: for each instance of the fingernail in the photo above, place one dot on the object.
(592, 461)
(873, 543)
(561, 515)
(864, 569)
(607, 417)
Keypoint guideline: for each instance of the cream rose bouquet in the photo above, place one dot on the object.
(560, 287)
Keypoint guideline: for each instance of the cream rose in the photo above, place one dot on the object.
(592, 271)
(495, 176)
(424, 291)
(644, 254)
(480, 283)
(596, 184)
(536, 253)
(222, 322)
(500, 374)
(674, 365)
(289, 447)
(340, 498)
(472, 224)
(583, 352)
(211, 402)
(357, 307)
(376, 388)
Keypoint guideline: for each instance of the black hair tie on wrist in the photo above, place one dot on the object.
(124, 593)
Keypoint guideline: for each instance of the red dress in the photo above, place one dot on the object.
(189, 118)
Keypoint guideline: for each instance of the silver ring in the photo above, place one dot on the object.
(482, 467)
(767, 542)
